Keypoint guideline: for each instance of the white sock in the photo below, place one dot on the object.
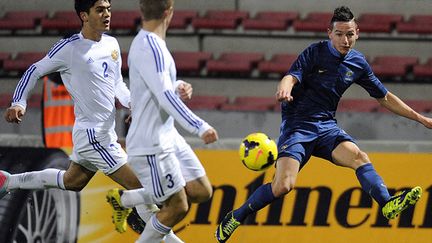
(172, 238)
(146, 211)
(154, 231)
(44, 179)
(132, 198)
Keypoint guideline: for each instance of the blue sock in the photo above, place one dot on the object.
(372, 183)
(262, 197)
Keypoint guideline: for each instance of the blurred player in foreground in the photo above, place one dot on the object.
(158, 154)
(89, 62)
(310, 93)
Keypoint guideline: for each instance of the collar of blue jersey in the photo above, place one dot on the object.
(335, 52)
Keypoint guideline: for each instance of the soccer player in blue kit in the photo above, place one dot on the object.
(310, 93)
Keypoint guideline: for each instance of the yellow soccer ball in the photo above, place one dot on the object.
(258, 151)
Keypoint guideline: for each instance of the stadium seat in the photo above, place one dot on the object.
(270, 20)
(190, 62)
(22, 61)
(392, 66)
(423, 70)
(62, 22)
(34, 101)
(358, 105)
(423, 106)
(220, 19)
(248, 103)
(5, 100)
(314, 22)
(417, 24)
(18, 20)
(125, 20)
(235, 63)
(4, 56)
(377, 22)
(182, 18)
(278, 64)
(206, 102)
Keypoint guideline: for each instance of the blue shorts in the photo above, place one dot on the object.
(302, 139)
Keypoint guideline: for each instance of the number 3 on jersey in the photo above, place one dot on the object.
(105, 67)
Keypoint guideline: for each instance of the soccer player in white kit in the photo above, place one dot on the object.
(90, 65)
(159, 155)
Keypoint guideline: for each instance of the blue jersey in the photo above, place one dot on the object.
(324, 75)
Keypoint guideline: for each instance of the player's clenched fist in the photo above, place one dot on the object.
(185, 91)
(210, 136)
(14, 114)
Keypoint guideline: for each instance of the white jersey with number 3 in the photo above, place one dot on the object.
(91, 72)
(154, 102)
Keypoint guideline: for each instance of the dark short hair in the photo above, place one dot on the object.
(342, 14)
(154, 9)
(84, 6)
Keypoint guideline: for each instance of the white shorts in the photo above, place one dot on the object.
(159, 173)
(190, 165)
(97, 149)
(167, 173)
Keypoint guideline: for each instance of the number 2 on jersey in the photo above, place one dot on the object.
(105, 66)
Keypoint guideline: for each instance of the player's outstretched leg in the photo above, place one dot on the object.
(400, 202)
(4, 181)
(226, 228)
(120, 213)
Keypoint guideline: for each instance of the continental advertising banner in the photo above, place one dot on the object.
(326, 206)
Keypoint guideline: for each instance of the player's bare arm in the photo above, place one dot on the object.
(14, 114)
(284, 88)
(397, 106)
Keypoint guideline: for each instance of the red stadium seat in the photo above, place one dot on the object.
(392, 65)
(22, 61)
(235, 62)
(248, 103)
(34, 101)
(206, 102)
(127, 20)
(18, 20)
(182, 18)
(270, 20)
(4, 56)
(315, 22)
(423, 106)
(278, 64)
(190, 62)
(423, 70)
(220, 19)
(5, 100)
(379, 22)
(358, 105)
(62, 21)
(417, 24)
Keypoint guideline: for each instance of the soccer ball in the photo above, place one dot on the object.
(258, 151)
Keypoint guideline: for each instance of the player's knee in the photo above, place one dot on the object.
(283, 187)
(362, 158)
(201, 195)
